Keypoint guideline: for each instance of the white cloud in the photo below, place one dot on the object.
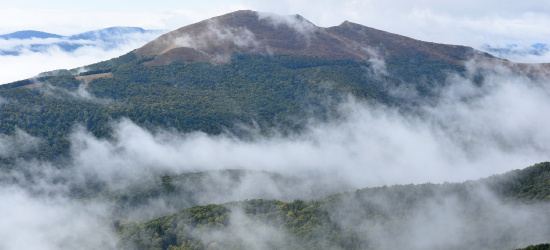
(251, 234)
(469, 22)
(52, 223)
(465, 22)
(216, 36)
(431, 217)
(472, 132)
(303, 27)
(29, 63)
(20, 141)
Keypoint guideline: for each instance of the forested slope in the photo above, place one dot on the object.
(281, 92)
(371, 218)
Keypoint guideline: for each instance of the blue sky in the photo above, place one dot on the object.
(468, 22)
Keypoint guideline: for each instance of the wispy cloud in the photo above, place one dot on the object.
(472, 132)
(52, 222)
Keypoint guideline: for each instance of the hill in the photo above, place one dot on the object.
(288, 73)
(460, 215)
(249, 32)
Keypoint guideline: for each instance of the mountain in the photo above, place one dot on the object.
(107, 38)
(257, 131)
(278, 71)
(108, 34)
(249, 32)
(513, 50)
(28, 34)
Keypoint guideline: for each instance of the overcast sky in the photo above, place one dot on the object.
(467, 22)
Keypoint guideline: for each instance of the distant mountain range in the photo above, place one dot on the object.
(536, 49)
(38, 41)
(28, 34)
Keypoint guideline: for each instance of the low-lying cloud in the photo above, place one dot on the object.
(469, 131)
(19, 142)
(29, 63)
(523, 53)
(52, 222)
(433, 217)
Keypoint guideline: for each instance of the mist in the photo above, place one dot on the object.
(29, 63)
(52, 222)
(468, 132)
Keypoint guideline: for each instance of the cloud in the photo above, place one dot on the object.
(470, 132)
(466, 22)
(295, 22)
(19, 142)
(216, 38)
(440, 217)
(249, 233)
(3, 101)
(525, 53)
(30, 63)
(52, 223)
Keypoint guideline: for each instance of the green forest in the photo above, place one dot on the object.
(276, 95)
(282, 92)
(317, 224)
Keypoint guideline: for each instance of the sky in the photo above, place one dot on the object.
(471, 23)
(462, 22)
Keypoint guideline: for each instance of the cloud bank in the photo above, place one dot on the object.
(470, 131)
(52, 223)
(30, 62)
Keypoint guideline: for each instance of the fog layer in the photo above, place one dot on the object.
(469, 131)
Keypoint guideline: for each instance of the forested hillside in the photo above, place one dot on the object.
(371, 218)
(256, 131)
(282, 92)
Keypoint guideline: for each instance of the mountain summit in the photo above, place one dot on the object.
(250, 32)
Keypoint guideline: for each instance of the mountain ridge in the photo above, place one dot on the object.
(28, 34)
(107, 38)
(251, 32)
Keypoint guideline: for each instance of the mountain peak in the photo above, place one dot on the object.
(251, 32)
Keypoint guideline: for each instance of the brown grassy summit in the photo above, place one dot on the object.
(249, 32)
